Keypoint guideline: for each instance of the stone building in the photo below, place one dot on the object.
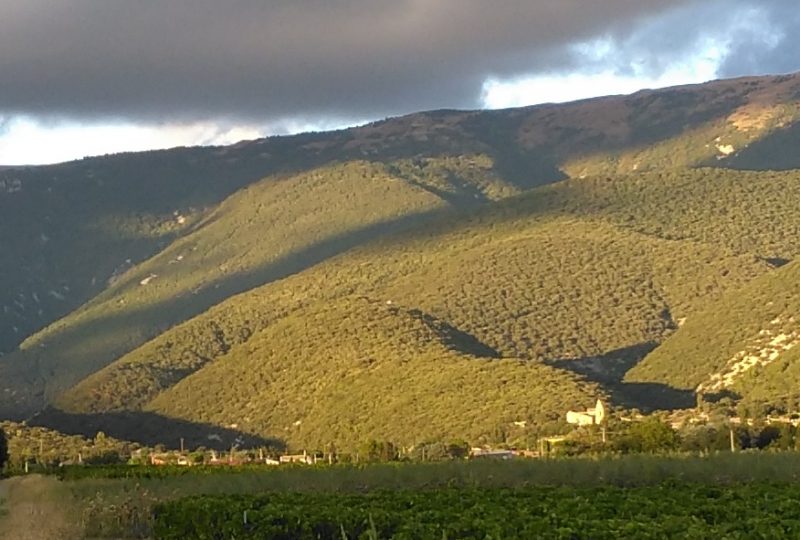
(590, 417)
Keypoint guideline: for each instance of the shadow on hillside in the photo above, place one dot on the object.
(150, 429)
(88, 199)
(524, 168)
(608, 368)
(101, 190)
(127, 329)
(455, 338)
(609, 371)
(775, 152)
(651, 396)
(180, 308)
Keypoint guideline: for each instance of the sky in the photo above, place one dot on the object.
(90, 77)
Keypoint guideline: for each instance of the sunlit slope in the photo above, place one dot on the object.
(745, 345)
(739, 123)
(347, 371)
(74, 244)
(746, 212)
(572, 271)
(264, 232)
(68, 229)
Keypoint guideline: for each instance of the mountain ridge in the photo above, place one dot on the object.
(595, 229)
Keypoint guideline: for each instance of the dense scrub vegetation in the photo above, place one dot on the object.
(750, 336)
(48, 448)
(353, 370)
(497, 275)
(578, 270)
(746, 212)
(3, 449)
(269, 230)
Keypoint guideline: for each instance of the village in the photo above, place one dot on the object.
(595, 416)
(594, 429)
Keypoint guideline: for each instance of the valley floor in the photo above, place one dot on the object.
(94, 503)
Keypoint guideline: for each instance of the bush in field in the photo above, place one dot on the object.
(651, 435)
(437, 451)
(3, 449)
(376, 451)
(704, 439)
(105, 458)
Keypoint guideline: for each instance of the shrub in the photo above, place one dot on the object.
(3, 449)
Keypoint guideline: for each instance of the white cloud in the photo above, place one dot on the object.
(26, 141)
(692, 43)
(668, 50)
(602, 77)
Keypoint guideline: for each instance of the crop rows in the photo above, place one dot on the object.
(666, 511)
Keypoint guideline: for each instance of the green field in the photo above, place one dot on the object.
(721, 495)
(566, 513)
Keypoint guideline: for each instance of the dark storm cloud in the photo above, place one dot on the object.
(260, 60)
(770, 45)
(752, 37)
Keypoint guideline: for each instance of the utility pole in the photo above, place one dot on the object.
(730, 430)
(181, 445)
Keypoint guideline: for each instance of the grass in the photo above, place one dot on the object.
(39, 508)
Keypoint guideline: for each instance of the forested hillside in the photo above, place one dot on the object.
(570, 279)
(443, 274)
(744, 346)
(129, 207)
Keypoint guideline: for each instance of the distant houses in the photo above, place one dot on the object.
(303, 458)
(590, 417)
(213, 458)
(491, 453)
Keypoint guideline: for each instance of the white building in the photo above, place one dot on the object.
(589, 417)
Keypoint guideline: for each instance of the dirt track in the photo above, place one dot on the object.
(32, 510)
